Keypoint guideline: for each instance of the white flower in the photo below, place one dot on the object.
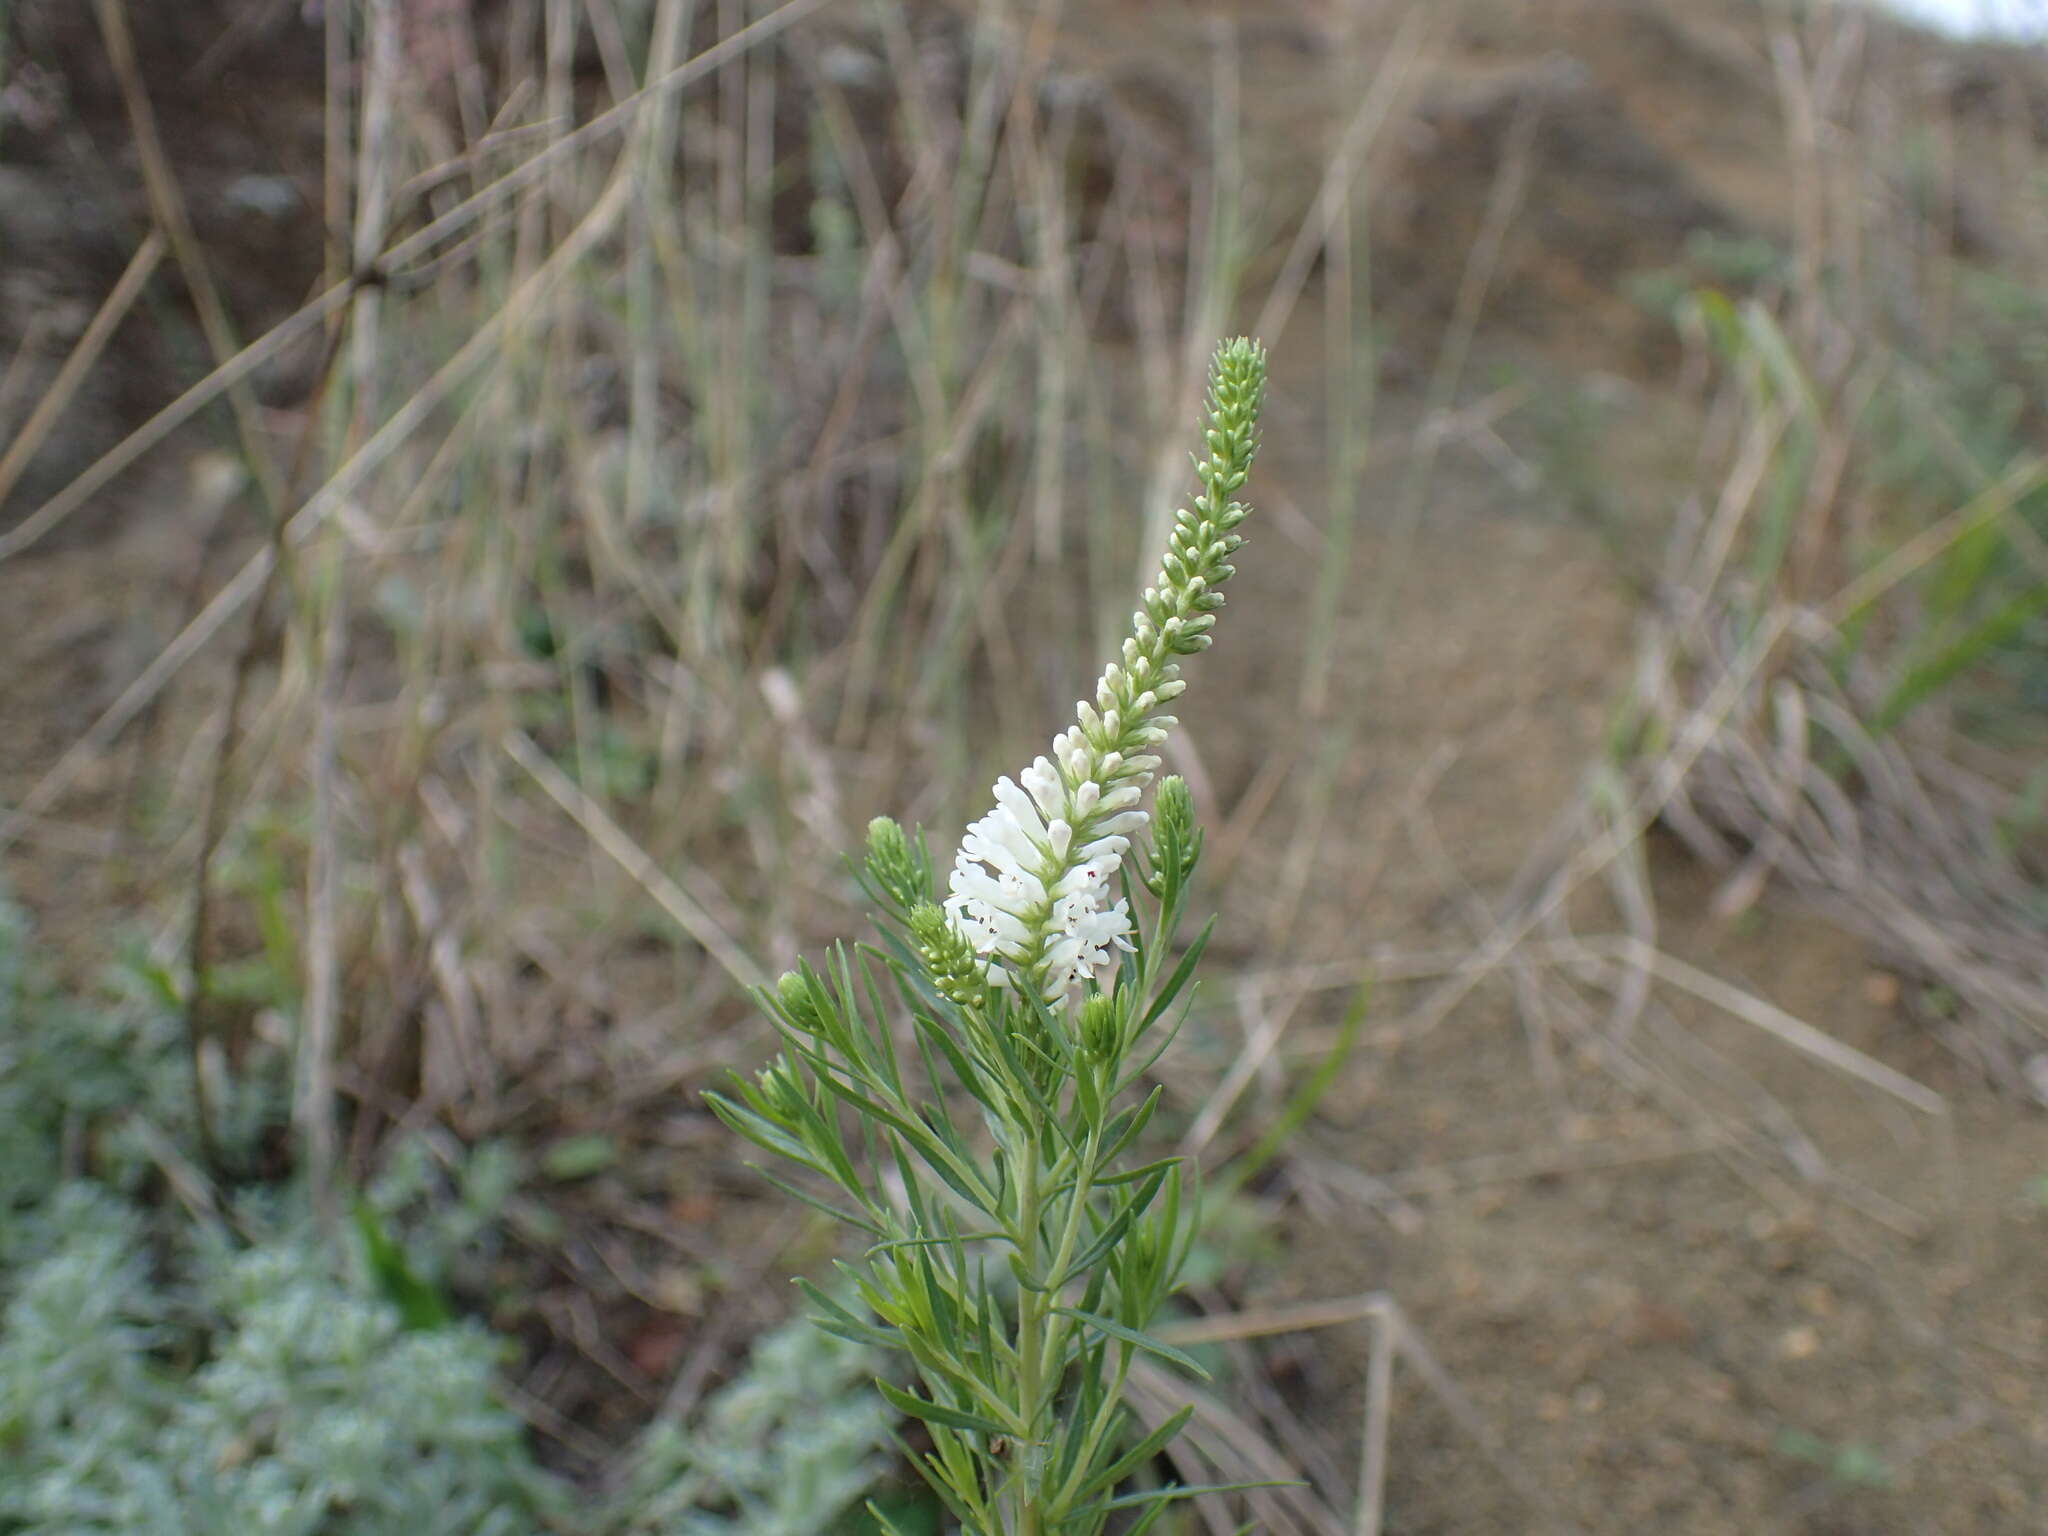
(1032, 882)
(1032, 892)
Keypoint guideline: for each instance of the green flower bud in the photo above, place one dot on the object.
(893, 864)
(949, 959)
(1176, 840)
(800, 1001)
(1102, 1027)
(781, 1091)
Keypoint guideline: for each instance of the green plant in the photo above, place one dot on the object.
(315, 1408)
(167, 1371)
(1021, 1283)
(781, 1451)
(1848, 1464)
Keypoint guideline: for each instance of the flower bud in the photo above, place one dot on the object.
(949, 959)
(800, 1001)
(1102, 1028)
(1176, 840)
(894, 865)
(781, 1091)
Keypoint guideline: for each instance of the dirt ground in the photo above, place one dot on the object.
(1667, 1327)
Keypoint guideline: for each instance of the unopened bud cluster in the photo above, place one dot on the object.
(948, 958)
(897, 868)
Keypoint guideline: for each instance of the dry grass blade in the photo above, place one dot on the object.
(231, 370)
(1884, 832)
(224, 377)
(455, 1066)
(1397, 77)
(385, 441)
(1995, 503)
(314, 1107)
(1264, 1028)
(1693, 737)
(1775, 1021)
(1391, 1338)
(635, 861)
(106, 319)
(167, 205)
(1221, 1445)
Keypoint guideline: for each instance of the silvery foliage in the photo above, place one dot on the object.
(794, 1442)
(314, 1411)
(157, 1377)
(1018, 1251)
(160, 1378)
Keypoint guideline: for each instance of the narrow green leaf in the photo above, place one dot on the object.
(887, 1526)
(1112, 1232)
(1137, 1340)
(579, 1157)
(1178, 979)
(762, 1132)
(935, 1154)
(1108, 1477)
(932, 1242)
(879, 1015)
(419, 1303)
(938, 1413)
(939, 1302)
(1175, 1491)
(1997, 629)
(836, 1319)
(824, 1141)
(1082, 1421)
(1132, 1175)
(853, 1219)
(1129, 1125)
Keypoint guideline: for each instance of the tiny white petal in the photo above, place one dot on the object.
(1042, 780)
(1059, 836)
(1018, 804)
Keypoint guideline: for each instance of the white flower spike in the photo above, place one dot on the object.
(1032, 885)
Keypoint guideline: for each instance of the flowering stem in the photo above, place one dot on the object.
(1031, 887)
(1030, 985)
(1031, 1382)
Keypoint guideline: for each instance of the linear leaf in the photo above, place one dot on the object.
(1173, 1491)
(1178, 979)
(1112, 1233)
(1138, 1340)
(1138, 1454)
(1999, 628)
(838, 1213)
(938, 1413)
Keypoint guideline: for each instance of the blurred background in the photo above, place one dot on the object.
(495, 493)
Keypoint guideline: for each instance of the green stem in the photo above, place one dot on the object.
(1030, 1346)
(1070, 1234)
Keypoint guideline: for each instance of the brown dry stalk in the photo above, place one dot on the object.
(167, 207)
(84, 353)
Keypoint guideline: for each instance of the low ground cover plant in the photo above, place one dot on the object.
(175, 1361)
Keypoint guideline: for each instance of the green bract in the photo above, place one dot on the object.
(1017, 1253)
